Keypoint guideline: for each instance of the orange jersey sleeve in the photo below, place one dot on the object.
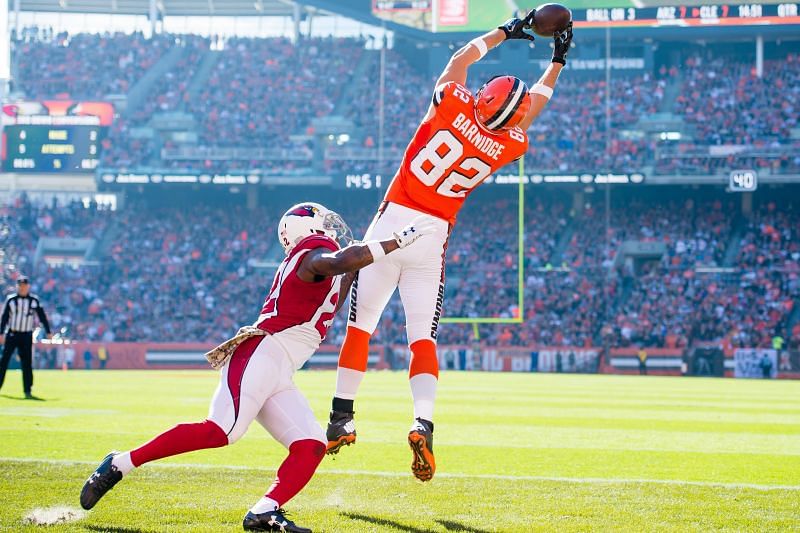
(450, 155)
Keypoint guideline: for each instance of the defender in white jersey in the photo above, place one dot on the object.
(258, 364)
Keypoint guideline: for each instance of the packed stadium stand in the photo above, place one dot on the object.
(171, 273)
(715, 97)
(164, 271)
(83, 66)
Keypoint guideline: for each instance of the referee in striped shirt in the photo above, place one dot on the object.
(16, 331)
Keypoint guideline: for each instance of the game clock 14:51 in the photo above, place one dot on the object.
(364, 182)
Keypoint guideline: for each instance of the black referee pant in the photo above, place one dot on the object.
(23, 343)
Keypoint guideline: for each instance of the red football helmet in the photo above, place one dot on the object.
(502, 102)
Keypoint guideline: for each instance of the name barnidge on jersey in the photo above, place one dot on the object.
(482, 142)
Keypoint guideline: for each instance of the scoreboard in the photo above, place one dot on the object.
(478, 15)
(52, 148)
(54, 136)
(688, 15)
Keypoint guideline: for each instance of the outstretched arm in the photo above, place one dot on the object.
(473, 51)
(322, 263)
(542, 90)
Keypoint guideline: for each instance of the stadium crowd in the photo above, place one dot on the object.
(83, 66)
(171, 274)
(266, 93)
(571, 136)
(725, 103)
(261, 91)
(197, 273)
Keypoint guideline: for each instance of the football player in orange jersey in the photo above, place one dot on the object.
(460, 142)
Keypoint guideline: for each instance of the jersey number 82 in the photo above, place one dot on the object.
(439, 155)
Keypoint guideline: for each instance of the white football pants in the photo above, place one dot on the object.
(417, 270)
(256, 384)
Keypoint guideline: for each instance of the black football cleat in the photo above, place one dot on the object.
(341, 431)
(101, 481)
(420, 438)
(271, 521)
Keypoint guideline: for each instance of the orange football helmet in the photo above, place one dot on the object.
(502, 102)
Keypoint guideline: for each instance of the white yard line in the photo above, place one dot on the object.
(445, 475)
(680, 447)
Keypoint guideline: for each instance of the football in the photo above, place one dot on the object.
(550, 18)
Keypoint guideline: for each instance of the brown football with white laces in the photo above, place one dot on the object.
(551, 18)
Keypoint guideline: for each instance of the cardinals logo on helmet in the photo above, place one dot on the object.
(303, 211)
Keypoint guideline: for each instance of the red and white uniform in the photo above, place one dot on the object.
(257, 381)
(450, 154)
(297, 313)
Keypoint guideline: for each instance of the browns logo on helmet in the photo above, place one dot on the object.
(502, 103)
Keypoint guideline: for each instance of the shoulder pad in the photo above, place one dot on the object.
(316, 241)
(446, 90)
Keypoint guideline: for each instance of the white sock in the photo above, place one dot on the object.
(264, 505)
(347, 383)
(423, 391)
(123, 462)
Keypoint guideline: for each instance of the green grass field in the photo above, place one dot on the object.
(515, 452)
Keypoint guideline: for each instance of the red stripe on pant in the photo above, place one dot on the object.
(236, 367)
(185, 438)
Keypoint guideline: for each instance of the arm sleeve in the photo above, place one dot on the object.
(4, 320)
(43, 318)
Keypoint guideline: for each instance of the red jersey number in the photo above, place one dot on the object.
(326, 319)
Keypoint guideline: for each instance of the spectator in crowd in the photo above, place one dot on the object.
(87, 359)
(766, 366)
(641, 354)
(69, 356)
(102, 356)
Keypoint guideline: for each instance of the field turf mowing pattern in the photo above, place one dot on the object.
(515, 452)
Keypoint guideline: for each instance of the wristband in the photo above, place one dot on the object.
(376, 249)
(542, 89)
(480, 44)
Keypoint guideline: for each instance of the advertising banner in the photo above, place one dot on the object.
(755, 363)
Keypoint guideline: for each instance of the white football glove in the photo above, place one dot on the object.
(422, 225)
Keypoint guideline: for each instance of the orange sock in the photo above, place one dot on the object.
(353, 358)
(423, 359)
(355, 350)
